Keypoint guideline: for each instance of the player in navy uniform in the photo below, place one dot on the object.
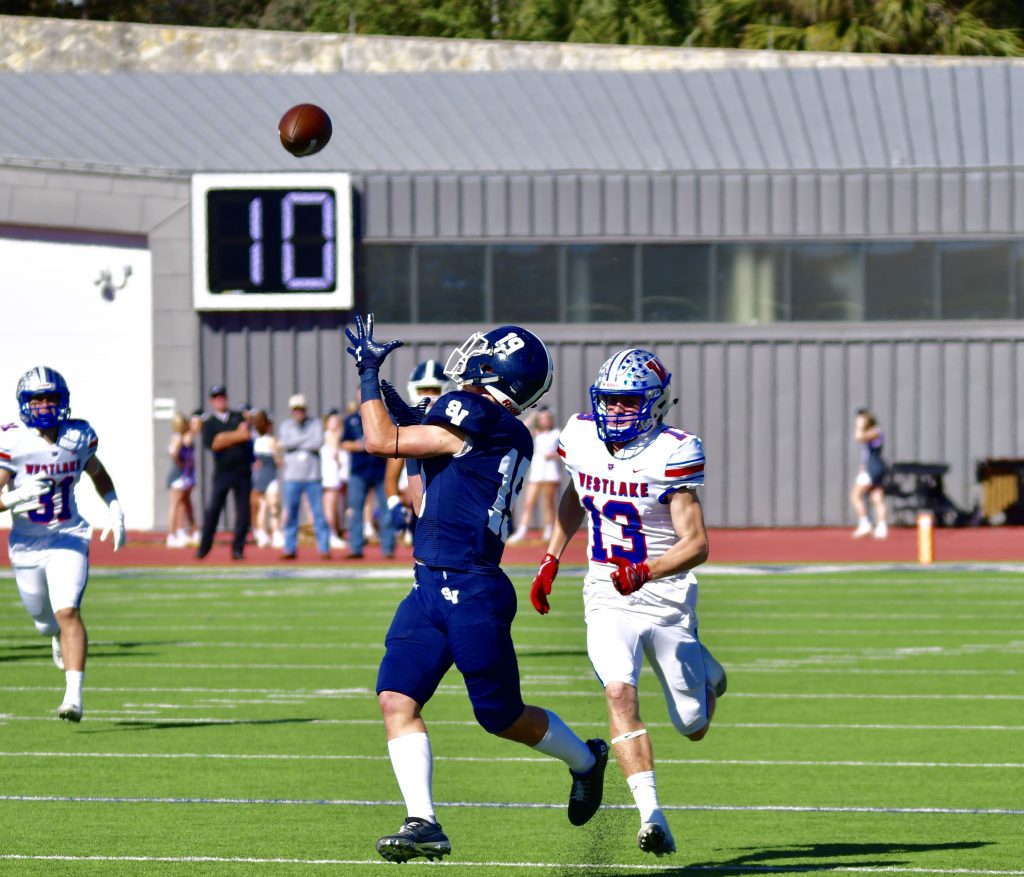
(474, 454)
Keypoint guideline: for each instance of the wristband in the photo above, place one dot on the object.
(369, 384)
(393, 501)
(412, 467)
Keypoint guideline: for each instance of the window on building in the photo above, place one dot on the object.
(825, 283)
(451, 283)
(387, 278)
(675, 283)
(750, 283)
(525, 283)
(975, 280)
(599, 283)
(899, 281)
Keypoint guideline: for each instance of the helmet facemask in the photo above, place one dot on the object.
(633, 373)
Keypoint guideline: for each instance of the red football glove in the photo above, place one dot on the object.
(629, 577)
(541, 586)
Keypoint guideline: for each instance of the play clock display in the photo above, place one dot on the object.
(272, 241)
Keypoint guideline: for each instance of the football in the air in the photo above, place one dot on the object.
(304, 130)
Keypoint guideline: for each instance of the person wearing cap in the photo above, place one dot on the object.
(226, 434)
(300, 438)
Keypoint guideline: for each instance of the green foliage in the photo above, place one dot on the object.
(940, 27)
(900, 26)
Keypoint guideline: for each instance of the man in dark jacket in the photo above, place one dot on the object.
(226, 434)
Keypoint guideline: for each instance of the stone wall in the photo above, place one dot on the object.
(53, 45)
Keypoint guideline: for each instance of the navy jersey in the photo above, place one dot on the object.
(467, 500)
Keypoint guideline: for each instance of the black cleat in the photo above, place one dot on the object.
(416, 837)
(588, 788)
(653, 838)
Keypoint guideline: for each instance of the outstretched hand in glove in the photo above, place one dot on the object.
(404, 413)
(368, 353)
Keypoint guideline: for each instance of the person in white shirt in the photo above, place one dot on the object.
(544, 477)
(634, 481)
(41, 461)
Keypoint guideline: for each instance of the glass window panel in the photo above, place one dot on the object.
(525, 283)
(899, 281)
(750, 283)
(676, 283)
(451, 283)
(825, 282)
(386, 272)
(600, 283)
(975, 280)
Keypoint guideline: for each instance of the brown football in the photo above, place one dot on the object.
(304, 129)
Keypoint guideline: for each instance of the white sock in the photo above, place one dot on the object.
(73, 691)
(561, 743)
(645, 793)
(864, 522)
(413, 763)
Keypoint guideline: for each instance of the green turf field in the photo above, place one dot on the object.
(874, 724)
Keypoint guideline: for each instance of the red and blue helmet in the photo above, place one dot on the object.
(630, 372)
(43, 381)
(511, 363)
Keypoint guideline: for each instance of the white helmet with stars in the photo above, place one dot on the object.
(630, 372)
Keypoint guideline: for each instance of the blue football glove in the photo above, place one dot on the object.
(404, 414)
(369, 354)
(401, 514)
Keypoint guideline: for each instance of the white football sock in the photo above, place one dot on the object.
(73, 691)
(413, 763)
(561, 743)
(645, 793)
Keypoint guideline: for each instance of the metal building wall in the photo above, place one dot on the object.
(773, 405)
(927, 203)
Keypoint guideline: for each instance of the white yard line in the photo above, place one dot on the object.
(507, 805)
(738, 762)
(579, 866)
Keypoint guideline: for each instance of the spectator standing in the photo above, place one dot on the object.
(331, 473)
(870, 480)
(226, 434)
(181, 519)
(366, 474)
(544, 478)
(266, 505)
(301, 438)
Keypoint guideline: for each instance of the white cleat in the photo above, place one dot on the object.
(58, 655)
(70, 712)
(337, 543)
(655, 838)
(881, 531)
(863, 529)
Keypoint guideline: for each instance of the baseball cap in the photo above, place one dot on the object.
(297, 400)
(218, 390)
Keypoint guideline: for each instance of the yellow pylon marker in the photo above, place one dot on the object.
(925, 537)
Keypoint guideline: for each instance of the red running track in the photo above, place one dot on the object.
(766, 546)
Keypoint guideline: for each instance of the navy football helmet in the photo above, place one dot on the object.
(428, 375)
(511, 363)
(631, 372)
(43, 381)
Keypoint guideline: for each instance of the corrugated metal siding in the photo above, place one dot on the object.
(773, 405)
(687, 207)
(915, 113)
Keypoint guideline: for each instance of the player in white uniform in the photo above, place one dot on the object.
(41, 460)
(633, 481)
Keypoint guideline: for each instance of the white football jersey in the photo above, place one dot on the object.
(626, 497)
(25, 453)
